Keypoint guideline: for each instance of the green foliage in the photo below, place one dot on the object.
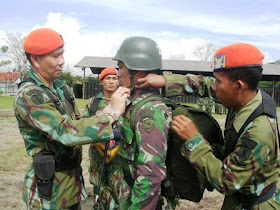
(68, 77)
(277, 62)
(4, 49)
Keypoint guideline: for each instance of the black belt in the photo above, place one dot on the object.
(248, 201)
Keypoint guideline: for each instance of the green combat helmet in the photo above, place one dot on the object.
(140, 54)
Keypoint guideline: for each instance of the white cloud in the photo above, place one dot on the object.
(80, 42)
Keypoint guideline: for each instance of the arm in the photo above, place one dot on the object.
(176, 84)
(151, 138)
(238, 169)
(35, 108)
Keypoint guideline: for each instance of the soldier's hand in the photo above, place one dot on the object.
(151, 81)
(184, 127)
(118, 100)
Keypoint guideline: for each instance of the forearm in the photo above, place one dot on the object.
(177, 84)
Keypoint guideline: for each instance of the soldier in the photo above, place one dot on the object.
(208, 105)
(49, 121)
(111, 172)
(200, 103)
(143, 145)
(250, 170)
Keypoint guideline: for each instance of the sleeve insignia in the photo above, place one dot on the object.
(245, 150)
(37, 99)
(148, 120)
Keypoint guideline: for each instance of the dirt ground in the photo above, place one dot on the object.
(14, 162)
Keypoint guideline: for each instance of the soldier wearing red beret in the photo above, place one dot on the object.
(249, 172)
(49, 121)
(105, 169)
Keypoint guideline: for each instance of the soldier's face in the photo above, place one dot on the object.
(124, 75)
(110, 83)
(50, 66)
(225, 89)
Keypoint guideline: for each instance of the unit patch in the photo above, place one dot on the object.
(148, 120)
(219, 62)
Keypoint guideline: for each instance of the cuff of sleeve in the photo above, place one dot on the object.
(194, 142)
(104, 119)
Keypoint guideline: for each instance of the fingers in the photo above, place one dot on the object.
(141, 83)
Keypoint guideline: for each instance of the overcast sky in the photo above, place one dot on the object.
(97, 28)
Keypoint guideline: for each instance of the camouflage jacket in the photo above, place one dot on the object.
(44, 128)
(253, 167)
(143, 152)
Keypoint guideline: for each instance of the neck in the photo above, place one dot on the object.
(245, 98)
(46, 82)
(107, 94)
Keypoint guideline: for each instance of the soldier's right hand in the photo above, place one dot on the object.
(118, 100)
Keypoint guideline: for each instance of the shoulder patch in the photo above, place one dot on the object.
(245, 150)
(147, 113)
(33, 92)
(37, 99)
(148, 120)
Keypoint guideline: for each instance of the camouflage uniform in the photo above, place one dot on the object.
(253, 167)
(44, 128)
(112, 175)
(143, 153)
(208, 105)
(200, 103)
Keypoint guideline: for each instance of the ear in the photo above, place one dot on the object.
(240, 86)
(34, 60)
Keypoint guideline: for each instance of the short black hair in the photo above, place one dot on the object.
(28, 56)
(249, 75)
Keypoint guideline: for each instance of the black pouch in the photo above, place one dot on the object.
(44, 167)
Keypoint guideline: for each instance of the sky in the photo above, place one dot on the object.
(97, 28)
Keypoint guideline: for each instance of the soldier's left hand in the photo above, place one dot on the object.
(184, 127)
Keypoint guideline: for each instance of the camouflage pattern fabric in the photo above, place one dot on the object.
(200, 103)
(112, 175)
(253, 167)
(44, 128)
(143, 153)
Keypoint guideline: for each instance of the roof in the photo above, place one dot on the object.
(9, 76)
(270, 71)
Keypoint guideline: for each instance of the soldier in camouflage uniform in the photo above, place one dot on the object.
(249, 173)
(111, 172)
(200, 103)
(49, 121)
(208, 105)
(143, 146)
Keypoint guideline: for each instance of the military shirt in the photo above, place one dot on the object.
(143, 152)
(44, 128)
(253, 167)
(112, 172)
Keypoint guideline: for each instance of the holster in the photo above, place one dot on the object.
(44, 167)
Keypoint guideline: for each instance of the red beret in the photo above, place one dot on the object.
(42, 41)
(240, 55)
(107, 71)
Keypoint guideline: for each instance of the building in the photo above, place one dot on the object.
(9, 82)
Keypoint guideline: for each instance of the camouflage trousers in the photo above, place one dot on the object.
(110, 182)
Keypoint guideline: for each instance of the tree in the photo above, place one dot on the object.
(3, 50)
(14, 50)
(277, 62)
(205, 51)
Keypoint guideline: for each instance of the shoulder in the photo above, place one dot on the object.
(263, 130)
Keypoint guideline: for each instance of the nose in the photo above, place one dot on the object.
(61, 60)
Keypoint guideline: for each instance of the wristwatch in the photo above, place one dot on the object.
(113, 113)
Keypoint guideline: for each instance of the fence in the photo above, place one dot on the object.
(93, 87)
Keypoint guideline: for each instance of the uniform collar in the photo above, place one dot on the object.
(57, 83)
(246, 111)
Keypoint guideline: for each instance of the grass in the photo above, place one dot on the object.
(6, 102)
